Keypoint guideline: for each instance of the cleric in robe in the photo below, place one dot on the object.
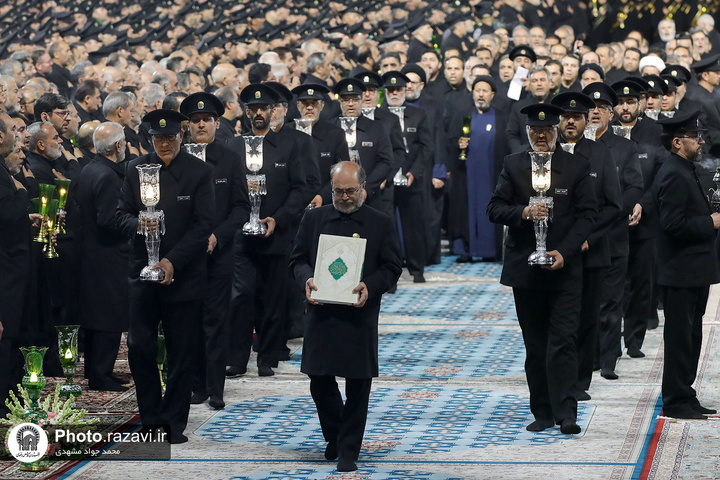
(473, 180)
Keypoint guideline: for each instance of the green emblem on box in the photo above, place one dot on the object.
(337, 268)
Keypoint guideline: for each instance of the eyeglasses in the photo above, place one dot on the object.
(61, 113)
(697, 137)
(339, 192)
(164, 138)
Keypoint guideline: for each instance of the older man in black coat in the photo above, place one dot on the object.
(14, 262)
(547, 298)
(186, 198)
(687, 261)
(342, 340)
(104, 258)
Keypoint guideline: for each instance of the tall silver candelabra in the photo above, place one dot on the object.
(256, 184)
(151, 222)
(541, 177)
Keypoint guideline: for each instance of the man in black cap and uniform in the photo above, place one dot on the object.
(374, 150)
(624, 153)
(232, 209)
(418, 145)
(328, 139)
(547, 298)
(639, 286)
(260, 277)
(707, 72)
(688, 262)
(596, 248)
(539, 87)
(187, 200)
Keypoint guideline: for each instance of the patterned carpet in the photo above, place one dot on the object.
(451, 403)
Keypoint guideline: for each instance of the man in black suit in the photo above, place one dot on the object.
(539, 87)
(547, 298)
(640, 287)
(14, 263)
(187, 200)
(232, 209)
(372, 144)
(328, 139)
(342, 340)
(104, 258)
(596, 248)
(260, 277)
(688, 262)
(624, 153)
(408, 195)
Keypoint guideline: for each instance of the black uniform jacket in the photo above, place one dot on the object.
(607, 190)
(376, 153)
(232, 206)
(14, 252)
(420, 145)
(575, 208)
(287, 192)
(624, 153)
(391, 123)
(105, 249)
(342, 340)
(330, 147)
(686, 251)
(188, 200)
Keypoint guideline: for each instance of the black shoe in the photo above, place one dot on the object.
(392, 289)
(653, 324)
(609, 374)
(179, 438)
(685, 413)
(705, 411)
(346, 465)
(216, 402)
(635, 352)
(539, 425)
(419, 278)
(582, 396)
(464, 259)
(233, 372)
(198, 398)
(331, 451)
(120, 380)
(265, 371)
(569, 427)
(108, 386)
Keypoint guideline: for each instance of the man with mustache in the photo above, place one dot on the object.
(232, 210)
(260, 278)
(596, 258)
(547, 298)
(688, 262)
(341, 340)
(187, 200)
(624, 153)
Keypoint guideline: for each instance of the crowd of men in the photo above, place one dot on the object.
(428, 97)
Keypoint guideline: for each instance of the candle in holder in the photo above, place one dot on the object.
(467, 125)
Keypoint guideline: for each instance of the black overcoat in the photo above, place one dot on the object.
(105, 249)
(342, 340)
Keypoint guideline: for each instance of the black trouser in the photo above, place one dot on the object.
(11, 369)
(101, 350)
(342, 424)
(611, 314)
(549, 321)
(433, 202)
(639, 290)
(410, 206)
(684, 309)
(209, 372)
(180, 324)
(259, 293)
(588, 328)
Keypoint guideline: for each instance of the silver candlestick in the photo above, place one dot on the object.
(256, 184)
(541, 177)
(197, 149)
(304, 125)
(622, 131)
(349, 125)
(151, 222)
(715, 192)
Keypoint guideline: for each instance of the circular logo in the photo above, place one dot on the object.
(27, 442)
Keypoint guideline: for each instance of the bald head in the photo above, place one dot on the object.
(225, 75)
(85, 134)
(109, 140)
(348, 185)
